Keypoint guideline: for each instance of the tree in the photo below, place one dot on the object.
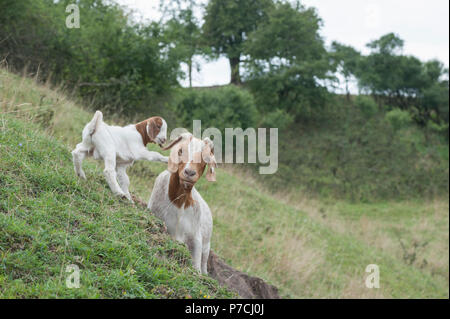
(404, 81)
(227, 26)
(434, 99)
(288, 59)
(346, 60)
(386, 73)
(184, 32)
(289, 35)
(111, 61)
(390, 44)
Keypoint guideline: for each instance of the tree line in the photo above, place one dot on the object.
(274, 49)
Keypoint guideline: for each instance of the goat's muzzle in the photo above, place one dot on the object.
(187, 184)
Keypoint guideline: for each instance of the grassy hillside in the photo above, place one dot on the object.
(308, 248)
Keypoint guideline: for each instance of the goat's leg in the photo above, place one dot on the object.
(78, 155)
(110, 176)
(124, 181)
(205, 256)
(152, 156)
(195, 248)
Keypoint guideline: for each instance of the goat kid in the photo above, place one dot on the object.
(175, 200)
(119, 147)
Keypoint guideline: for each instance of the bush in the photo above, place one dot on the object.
(398, 119)
(222, 107)
(366, 105)
(278, 118)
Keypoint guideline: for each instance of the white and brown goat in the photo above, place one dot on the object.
(119, 147)
(175, 200)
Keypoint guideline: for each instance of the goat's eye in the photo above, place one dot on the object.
(180, 151)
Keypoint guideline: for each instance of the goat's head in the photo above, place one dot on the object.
(153, 130)
(156, 129)
(188, 158)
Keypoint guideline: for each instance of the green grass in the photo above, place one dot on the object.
(309, 247)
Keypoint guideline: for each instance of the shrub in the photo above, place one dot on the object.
(366, 105)
(278, 118)
(398, 118)
(221, 107)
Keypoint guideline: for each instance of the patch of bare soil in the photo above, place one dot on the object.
(246, 286)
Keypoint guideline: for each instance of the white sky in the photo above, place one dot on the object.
(424, 25)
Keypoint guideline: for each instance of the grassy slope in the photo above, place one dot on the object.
(307, 248)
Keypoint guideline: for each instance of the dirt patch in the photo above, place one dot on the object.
(246, 286)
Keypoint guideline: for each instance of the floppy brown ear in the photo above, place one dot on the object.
(208, 157)
(152, 128)
(211, 172)
(174, 158)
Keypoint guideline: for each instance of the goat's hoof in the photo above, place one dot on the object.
(125, 198)
(128, 196)
(82, 175)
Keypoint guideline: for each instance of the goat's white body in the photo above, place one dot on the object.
(191, 225)
(118, 147)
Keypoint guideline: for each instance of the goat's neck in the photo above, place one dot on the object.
(178, 195)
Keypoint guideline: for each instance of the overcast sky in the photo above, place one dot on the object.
(424, 25)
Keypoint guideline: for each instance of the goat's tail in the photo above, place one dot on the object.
(95, 123)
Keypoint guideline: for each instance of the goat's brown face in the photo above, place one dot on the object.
(189, 172)
(189, 158)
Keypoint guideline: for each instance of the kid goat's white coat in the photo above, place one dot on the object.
(175, 200)
(119, 147)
